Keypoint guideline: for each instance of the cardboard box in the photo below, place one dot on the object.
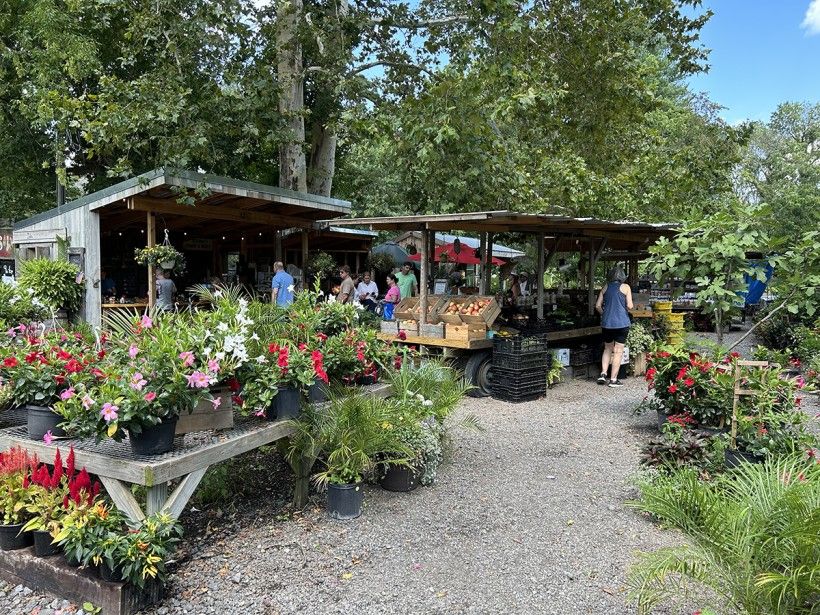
(561, 355)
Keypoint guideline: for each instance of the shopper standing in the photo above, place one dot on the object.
(367, 292)
(407, 280)
(347, 289)
(614, 303)
(392, 297)
(166, 289)
(282, 286)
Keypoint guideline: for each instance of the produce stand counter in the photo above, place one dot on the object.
(438, 342)
(140, 305)
(117, 467)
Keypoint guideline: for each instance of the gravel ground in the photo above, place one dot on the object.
(526, 517)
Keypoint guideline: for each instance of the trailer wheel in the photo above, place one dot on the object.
(477, 372)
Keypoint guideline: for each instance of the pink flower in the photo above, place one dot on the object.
(146, 322)
(11, 332)
(87, 401)
(67, 394)
(149, 396)
(187, 358)
(213, 366)
(109, 412)
(137, 381)
(133, 351)
(216, 402)
(198, 380)
(800, 381)
(48, 437)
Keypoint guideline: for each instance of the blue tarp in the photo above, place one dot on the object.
(756, 287)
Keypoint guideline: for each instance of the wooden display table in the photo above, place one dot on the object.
(118, 468)
(440, 342)
(140, 305)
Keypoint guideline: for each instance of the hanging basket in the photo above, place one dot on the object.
(169, 264)
(164, 255)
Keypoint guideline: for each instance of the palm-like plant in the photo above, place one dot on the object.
(754, 537)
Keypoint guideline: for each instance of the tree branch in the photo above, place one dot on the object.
(761, 321)
(363, 67)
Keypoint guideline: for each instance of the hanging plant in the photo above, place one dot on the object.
(410, 248)
(164, 256)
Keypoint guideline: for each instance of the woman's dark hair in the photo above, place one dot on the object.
(616, 274)
(391, 276)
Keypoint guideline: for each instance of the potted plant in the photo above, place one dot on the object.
(15, 466)
(639, 340)
(152, 376)
(347, 436)
(298, 367)
(164, 256)
(44, 370)
(57, 283)
(45, 504)
(84, 529)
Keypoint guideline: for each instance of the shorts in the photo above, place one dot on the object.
(615, 335)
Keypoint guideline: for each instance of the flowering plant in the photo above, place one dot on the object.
(84, 530)
(15, 466)
(774, 433)
(155, 255)
(44, 369)
(151, 373)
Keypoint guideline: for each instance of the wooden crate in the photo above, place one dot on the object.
(205, 417)
(390, 326)
(434, 330)
(486, 317)
(410, 327)
(408, 309)
(466, 332)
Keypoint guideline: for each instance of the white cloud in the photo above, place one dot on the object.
(811, 22)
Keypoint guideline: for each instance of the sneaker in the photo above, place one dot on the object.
(602, 378)
(615, 383)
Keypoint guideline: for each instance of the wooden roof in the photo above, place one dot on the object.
(219, 204)
(567, 232)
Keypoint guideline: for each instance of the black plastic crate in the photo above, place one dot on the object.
(540, 360)
(517, 399)
(519, 391)
(505, 375)
(583, 356)
(519, 344)
(536, 327)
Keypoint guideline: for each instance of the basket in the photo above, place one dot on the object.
(662, 306)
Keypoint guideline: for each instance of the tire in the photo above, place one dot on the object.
(477, 373)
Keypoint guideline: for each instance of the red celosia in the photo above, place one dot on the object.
(10, 362)
(672, 388)
(69, 464)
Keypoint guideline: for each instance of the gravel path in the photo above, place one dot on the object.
(526, 517)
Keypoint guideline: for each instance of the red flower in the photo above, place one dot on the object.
(650, 374)
(97, 372)
(63, 355)
(689, 382)
(273, 348)
(59, 379)
(672, 388)
(10, 362)
(237, 400)
(663, 354)
(101, 354)
(682, 373)
(794, 361)
(302, 346)
(402, 335)
(233, 385)
(73, 366)
(734, 355)
(69, 463)
(31, 357)
(322, 337)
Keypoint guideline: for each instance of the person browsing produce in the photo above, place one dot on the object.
(392, 297)
(614, 301)
(367, 292)
(406, 280)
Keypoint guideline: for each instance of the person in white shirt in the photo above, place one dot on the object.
(524, 283)
(367, 292)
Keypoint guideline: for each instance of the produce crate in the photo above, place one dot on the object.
(390, 326)
(205, 417)
(408, 309)
(582, 356)
(528, 361)
(519, 344)
(410, 327)
(466, 332)
(432, 330)
(486, 317)
(518, 385)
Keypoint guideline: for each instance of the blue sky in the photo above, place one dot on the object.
(764, 52)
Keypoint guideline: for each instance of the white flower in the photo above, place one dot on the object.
(291, 288)
(219, 356)
(243, 303)
(222, 327)
(261, 359)
(419, 396)
(321, 293)
(331, 299)
(255, 337)
(208, 333)
(218, 294)
(14, 300)
(427, 402)
(207, 351)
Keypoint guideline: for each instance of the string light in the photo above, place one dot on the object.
(223, 237)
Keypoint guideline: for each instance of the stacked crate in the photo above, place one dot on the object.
(520, 366)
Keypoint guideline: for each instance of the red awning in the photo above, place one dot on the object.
(465, 256)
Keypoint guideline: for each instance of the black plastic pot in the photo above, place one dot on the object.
(317, 392)
(154, 440)
(43, 545)
(286, 404)
(112, 575)
(735, 458)
(662, 418)
(345, 501)
(366, 380)
(400, 478)
(12, 539)
(41, 420)
(712, 431)
(71, 560)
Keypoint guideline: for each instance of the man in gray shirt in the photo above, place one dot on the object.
(165, 291)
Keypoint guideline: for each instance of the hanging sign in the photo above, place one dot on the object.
(198, 245)
(6, 243)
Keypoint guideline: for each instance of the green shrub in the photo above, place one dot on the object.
(753, 538)
(18, 305)
(56, 283)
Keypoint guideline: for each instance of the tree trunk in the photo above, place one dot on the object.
(322, 160)
(292, 168)
(719, 325)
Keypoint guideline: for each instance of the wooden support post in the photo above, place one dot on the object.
(156, 498)
(425, 249)
(151, 237)
(277, 245)
(179, 498)
(123, 498)
(482, 247)
(539, 276)
(431, 254)
(358, 262)
(489, 260)
(304, 254)
(591, 279)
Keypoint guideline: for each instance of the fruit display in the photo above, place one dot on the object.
(416, 309)
(471, 307)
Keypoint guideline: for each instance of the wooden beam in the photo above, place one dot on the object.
(305, 256)
(213, 212)
(123, 498)
(539, 276)
(484, 286)
(179, 498)
(151, 232)
(425, 254)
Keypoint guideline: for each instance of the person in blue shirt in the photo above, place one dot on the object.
(282, 286)
(614, 303)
